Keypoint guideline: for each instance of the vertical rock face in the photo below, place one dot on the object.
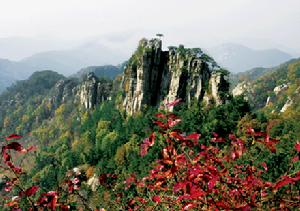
(153, 75)
(63, 91)
(143, 76)
(89, 92)
(92, 91)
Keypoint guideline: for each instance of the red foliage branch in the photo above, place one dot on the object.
(190, 175)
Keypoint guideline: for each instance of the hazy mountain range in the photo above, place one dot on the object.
(66, 62)
(234, 57)
(239, 58)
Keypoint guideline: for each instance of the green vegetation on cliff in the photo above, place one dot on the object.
(105, 139)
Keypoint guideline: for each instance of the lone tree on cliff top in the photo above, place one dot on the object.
(159, 35)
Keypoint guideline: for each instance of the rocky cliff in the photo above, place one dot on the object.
(275, 90)
(93, 91)
(153, 75)
(88, 92)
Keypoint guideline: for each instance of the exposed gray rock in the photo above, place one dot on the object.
(63, 91)
(93, 182)
(280, 88)
(92, 91)
(288, 104)
(153, 75)
(241, 88)
(268, 101)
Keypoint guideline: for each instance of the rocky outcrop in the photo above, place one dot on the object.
(88, 92)
(93, 91)
(62, 92)
(241, 88)
(153, 75)
(280, 88)
(268, 101)
(288, 104)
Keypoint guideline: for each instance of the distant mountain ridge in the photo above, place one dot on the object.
(12, 71)
(239, 58)
(235, 58)
(66, 62)
(255, 73)
(106, 71)
(275, 88)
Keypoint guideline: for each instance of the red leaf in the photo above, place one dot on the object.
(160, 115)
(212, 183)
(13, 136)
(11, 204)
(17, 169)
(232, 137)
(245, 208)
(233, 155)
(144, 150)
(218, 140)
(287, 180)
(152, 139)
(30, 191)
(171, 104)
(160, 124)
(250, 131)
(140, 199)
(177, 136)
(173, 122)
(156, 199)
(222, 205)
(265, 166)
(180, 185)
(193, 136)
(5, 155)
(297, 146)
(146, 144)
(196, 192)
(216, 135)
(53, 201)
(8, 186)
(64, 207)
(31, 148)
(295, 159)
(295, 179)
(15, 146)
(48, 199)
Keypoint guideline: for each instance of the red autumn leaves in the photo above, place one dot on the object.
(13, 136)
(148, 142)
(16, 147)
(29, 192)
(190, 175)
(6, 157)
(264, 138)
(46, 200)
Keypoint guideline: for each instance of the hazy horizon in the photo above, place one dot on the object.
(59, 25)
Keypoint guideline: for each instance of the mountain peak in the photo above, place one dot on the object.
(239, 58)
(153, 75)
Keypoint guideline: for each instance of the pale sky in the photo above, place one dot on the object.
(256, 23)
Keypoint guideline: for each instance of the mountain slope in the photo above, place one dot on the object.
(69, 61)
(238, 58)
(66, 62)
(78, 124)
(12, 71)
(272, 88)
(107, 71)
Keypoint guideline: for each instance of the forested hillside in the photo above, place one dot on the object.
(166, 135)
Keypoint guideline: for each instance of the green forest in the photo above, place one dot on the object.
(238, 155)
